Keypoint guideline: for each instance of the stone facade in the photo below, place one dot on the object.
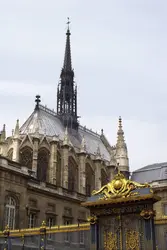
(45, 178)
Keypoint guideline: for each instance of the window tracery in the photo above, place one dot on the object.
(104, 179)
(10, 212)
(42, 166)
(26, 157)
(90, 180)
(72, 175)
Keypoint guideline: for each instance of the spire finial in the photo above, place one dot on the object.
(68, 24)
(37, 100)
(120, 122)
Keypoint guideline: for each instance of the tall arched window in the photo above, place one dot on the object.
(58, 170)
(10, 154)
(42, 166)
(10, 212)
(26, 157)
(72, 175)
(90, 180)
(104, 178)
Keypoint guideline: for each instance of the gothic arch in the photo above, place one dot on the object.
(104, 177)
(58, 169)
(90, 163)
(42, 165)
(89, 179)
(10, 154)
(73, 154)
(26, 157)
(72, 175)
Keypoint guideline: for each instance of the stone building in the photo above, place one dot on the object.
(51, 163)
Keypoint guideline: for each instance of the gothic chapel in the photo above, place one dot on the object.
(51, 163)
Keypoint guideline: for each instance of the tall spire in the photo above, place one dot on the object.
(67, 91)
(67, 57)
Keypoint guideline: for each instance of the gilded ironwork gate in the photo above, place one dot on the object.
(119, 233)
(122, 216)
(111, 234)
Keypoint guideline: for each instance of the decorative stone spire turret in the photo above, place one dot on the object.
(16, 131)
(120, 135)
(121, 151)
(98, 153)
(67, 91)
(83, 145)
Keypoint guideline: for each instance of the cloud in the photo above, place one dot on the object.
(119, 55)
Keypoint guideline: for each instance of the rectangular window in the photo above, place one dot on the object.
(10, 217)
(165, 209)
(81, 237)
(50, 223)
(31, 220)
(67, 235)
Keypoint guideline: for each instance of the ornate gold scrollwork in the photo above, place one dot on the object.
(119, 187)
(147, 214)
(92, 219)
(132, 240)
(110, 241)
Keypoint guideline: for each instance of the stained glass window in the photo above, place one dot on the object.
(26, 157)
(10, 154)
(104, 179)
(90, 180)
(43, 162)
(72, 175)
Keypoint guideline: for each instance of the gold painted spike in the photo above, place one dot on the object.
(119, 187)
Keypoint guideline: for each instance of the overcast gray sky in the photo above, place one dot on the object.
(119, 54)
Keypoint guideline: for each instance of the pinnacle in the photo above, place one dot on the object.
(66, 137)
(120, 134)
(67, 58)
(16, 131)
(83, 145)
